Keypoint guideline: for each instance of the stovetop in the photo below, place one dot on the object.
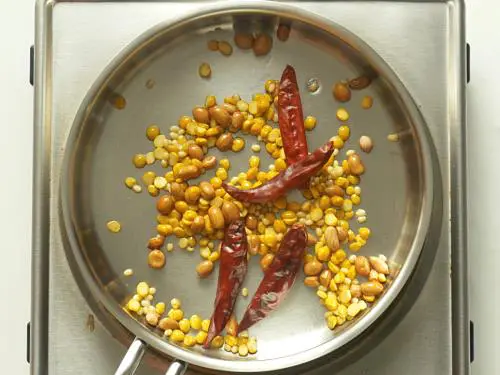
(421, 41)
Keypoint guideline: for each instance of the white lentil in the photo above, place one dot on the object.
(150, 158)
(160, 182)
(361, 219)
(159, 140)
(128, 272)
(394, 137)
(360, 212)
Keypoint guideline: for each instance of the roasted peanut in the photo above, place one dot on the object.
(253, 244)
(177, 190)
(230, 211)
(362, 266)
(332, 238)
(213, 45)
(221, 116)
(366, 144)
(224, 142)
(198, 224)
(232, 326)
(156, 242)
(192, 194)
(165, 204)
(188, 172)
(360, 83)
(311, 239)
(342, 234)
(168, 323)
(204, 268)
(201, 114)
(313, 267)
(325, 277)
(236, 122)
(372, 288)
(355, 290)
(341, 92)
(251, 222)
(209, 162)
(379, 265)
(243, 40)
(356, 166)
(195, 152)
(216, 217)
(262, 44)
(283, 32)
(334, 190)
(156, 259)
(230, 108)
(207, 190)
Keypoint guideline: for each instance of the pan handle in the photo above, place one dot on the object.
(133, 358)
(176, 368)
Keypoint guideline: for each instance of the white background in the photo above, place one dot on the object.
(16, 135)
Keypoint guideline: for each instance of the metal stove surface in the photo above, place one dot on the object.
(417, 39)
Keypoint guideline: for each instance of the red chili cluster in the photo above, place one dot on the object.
(280, 276)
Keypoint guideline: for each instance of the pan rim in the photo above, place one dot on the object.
(424, 143)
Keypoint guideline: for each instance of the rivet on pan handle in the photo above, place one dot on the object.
(133, 358)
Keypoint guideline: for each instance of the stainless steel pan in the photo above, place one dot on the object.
(398, 190)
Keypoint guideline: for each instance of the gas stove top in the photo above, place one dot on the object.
(423, 42)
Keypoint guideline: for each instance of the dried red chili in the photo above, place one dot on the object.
(232, 271)
(291, 117)
(278, 278)
(295, 176)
